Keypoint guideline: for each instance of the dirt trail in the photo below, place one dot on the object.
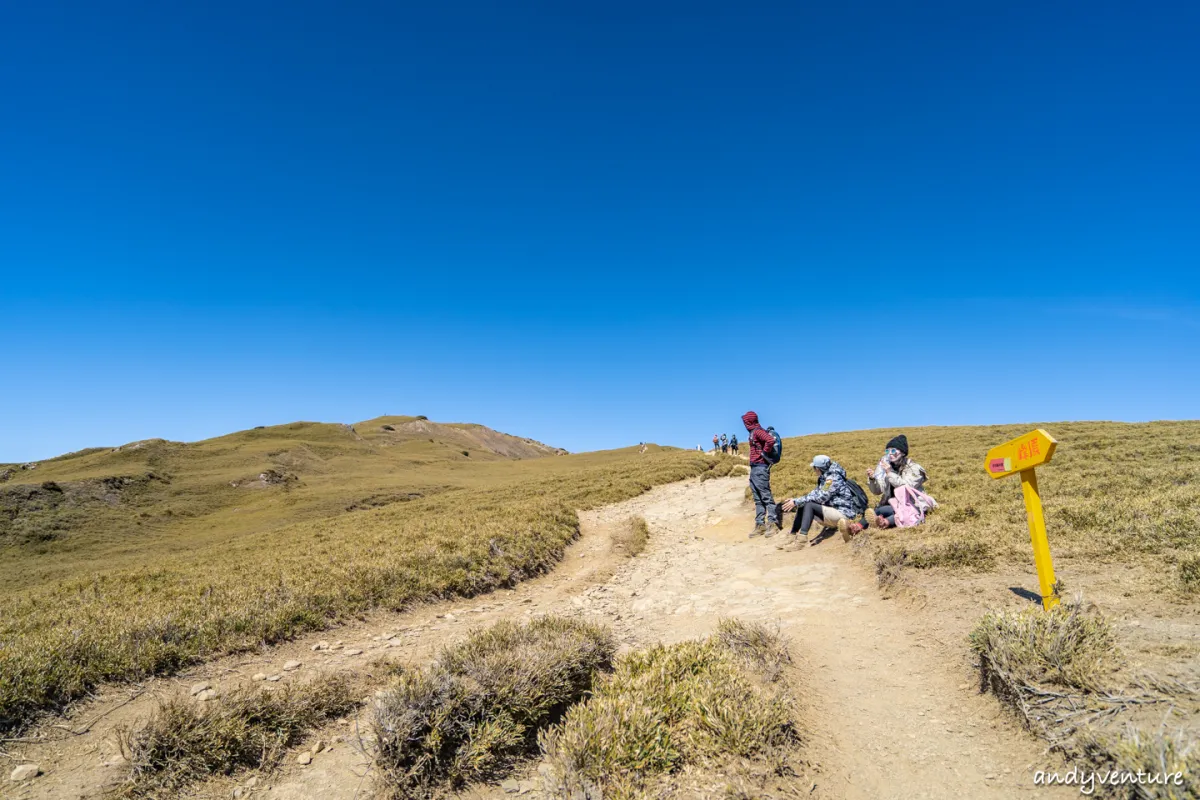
(893, 711)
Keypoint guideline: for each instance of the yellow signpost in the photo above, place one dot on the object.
(1021, 455)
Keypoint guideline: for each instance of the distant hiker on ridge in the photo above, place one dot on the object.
(763, 454)
(733, 444)
(724, 444)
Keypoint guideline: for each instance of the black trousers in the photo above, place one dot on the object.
(805, 515)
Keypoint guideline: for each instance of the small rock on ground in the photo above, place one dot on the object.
(291, 665)
(25, 772)
(199, 687)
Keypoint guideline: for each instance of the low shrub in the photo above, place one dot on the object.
(1189, 573)
(1021, 652)
(1172, 761)
(186, 741)
(668, 707)
(479, 707)
(633, 537)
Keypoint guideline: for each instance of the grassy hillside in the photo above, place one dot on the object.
(200, 555)
(1114, 493)
(130, 504)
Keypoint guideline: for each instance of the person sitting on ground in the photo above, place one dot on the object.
(894, 470)
(733, 444)
(833, 501)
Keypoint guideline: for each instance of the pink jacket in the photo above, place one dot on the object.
(911, 505)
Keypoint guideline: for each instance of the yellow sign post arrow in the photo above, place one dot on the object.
(1021, 455)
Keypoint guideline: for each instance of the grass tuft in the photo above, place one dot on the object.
(892, 559)
(633, 537)
(475, 711)
(1189, 573)
(1067, 647)
(1156, 754)
(186, 741)
(669, 707)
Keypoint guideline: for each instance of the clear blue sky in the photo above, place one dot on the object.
(594, 223)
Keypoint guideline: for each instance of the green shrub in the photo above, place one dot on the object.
(479, 707)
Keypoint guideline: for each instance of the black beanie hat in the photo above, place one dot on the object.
(900, 443)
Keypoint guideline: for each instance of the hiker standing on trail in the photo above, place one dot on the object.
(832, 502)
(762, 445)
(724, 444)
(733, 444)
(716, 443)
(894, 471)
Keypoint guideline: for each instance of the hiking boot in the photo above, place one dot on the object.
(794, 541)
(849, 529)
(759, 530)
(882, 522)
(871, 517)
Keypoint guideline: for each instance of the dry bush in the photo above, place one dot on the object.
(763, 646)
(475, 711)
(1067, 647)
(633, 537)
(1156, 754)
(1189, 573)
(668, 707)
(186, 741)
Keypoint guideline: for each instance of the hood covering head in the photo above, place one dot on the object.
(899, 443)
(822, 462)
(750, 420)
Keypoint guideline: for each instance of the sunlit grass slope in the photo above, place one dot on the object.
(1114, 492)
(126, 604)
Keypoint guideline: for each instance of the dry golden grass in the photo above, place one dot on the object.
(669, 707)
(1063, 674)
(480, 706)
(1158, 754)
(633, 538)
(1114, 493)
(187, 741)
(188, 593)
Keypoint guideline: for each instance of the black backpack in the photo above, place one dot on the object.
(860, 497)
(773, 455)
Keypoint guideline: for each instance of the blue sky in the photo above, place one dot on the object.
(594, 223)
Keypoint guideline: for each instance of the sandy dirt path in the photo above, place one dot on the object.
(891, 710)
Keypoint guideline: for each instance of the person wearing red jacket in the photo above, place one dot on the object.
(765, 513)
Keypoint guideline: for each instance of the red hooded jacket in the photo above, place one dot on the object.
(759, 438)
